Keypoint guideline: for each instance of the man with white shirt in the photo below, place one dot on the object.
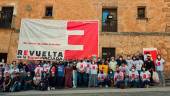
(160, 69)
(81, 68)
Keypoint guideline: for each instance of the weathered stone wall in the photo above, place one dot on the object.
(125, 43)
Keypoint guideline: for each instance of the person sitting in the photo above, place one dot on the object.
(134, 77)
(36, 81)
(119, 78)
(111, 77)
(7, 82)
(145, 77)
(44, 83)
(102, 79)
(16, 83)
(125, 69)
(28, 81)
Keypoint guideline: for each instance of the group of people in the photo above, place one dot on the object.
(118, 72)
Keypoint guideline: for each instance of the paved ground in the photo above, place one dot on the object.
(96, 92)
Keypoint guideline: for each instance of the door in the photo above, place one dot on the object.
(3, 57)
(108, 52)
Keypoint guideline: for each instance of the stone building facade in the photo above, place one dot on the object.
(137, 24)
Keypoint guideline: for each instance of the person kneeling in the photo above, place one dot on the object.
(16, 83)
(145, 77)
(134, 78)
(102, 79)
(119, 78)
(28, 82)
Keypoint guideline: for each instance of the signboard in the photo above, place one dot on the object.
(57, 39)
(151, 51)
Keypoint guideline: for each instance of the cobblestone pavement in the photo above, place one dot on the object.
(96, 92)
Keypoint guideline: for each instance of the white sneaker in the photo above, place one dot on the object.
(106, 86)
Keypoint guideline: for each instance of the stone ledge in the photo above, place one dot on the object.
(137, 33)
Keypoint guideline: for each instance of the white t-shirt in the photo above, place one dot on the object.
(81, 66)
(112, 65)
(133, 75)
(93, 69)
(87, 67)
(160, 64)
(14, 70)
(138, 64)
(124, 69)
(118, 76)
(145, 75)
(129, 63)
(46, 67)
(101, 77)
(38, 70)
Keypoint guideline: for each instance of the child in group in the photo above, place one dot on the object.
(134, 77)
(145, 77)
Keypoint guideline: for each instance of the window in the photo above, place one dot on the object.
(141, 12)
(108, 52)
(109, 20)
(49, 11)
(6, 15)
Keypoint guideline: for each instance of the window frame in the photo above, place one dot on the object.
(46, 9)
(138, 12)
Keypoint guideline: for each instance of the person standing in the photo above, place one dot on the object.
(160, 69)
(150, 67)
(60, 75)
(112, 64)
(129, 62)
(74, 74)
(68, 75)
(81, 67)
(93, 74)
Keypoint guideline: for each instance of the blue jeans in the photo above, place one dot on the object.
(120, 83)
(126, 82)
(161, 78)
(81, 77)
(93, 80)
(135, 83)
(74, 78)
(145, 82)
(16, 86)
